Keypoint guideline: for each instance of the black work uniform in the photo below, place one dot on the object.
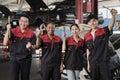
(51, 57)
(74, 54)
(99, 54)
(20, 56)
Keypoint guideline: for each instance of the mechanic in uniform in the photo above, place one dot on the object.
(96, 41)
(74, 50)
(22, 40)
(51, 63)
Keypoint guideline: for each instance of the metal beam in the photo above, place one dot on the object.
(5, 2)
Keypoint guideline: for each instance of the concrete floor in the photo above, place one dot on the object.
(5, 70)
(35, 70)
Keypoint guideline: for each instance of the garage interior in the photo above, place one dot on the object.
(62, 12)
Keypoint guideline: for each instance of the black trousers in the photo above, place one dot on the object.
(50, 73)
(20, 66)
(100, 71)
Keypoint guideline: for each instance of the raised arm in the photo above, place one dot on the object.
(7, 35)
(64, 43)
(63, 51)
(113, 13)
(38, 39)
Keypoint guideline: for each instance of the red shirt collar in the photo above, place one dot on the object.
(20, 30)
(49, 38)
(96, 28)
(74, 40)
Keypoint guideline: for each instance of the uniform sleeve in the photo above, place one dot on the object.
(33, 40)
(84, 46)
(41, 42)
(66, 45)
(11, 36)
(107, 31)
(60, 44)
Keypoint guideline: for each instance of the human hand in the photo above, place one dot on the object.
(28, 45)
(113, 12)
(5, 55)
(88, 68)
(39, 33)
(61, 68)
(8, 26)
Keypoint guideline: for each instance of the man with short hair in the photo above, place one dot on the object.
(51, 62)
(22, 41)
(96, 41)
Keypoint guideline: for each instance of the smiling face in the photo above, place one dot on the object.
(50, 28)
(75, 30)
(93, 23)
(23, 22)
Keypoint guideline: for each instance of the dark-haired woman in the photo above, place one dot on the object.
(74, 50)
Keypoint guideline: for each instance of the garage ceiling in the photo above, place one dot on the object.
(14, 5)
